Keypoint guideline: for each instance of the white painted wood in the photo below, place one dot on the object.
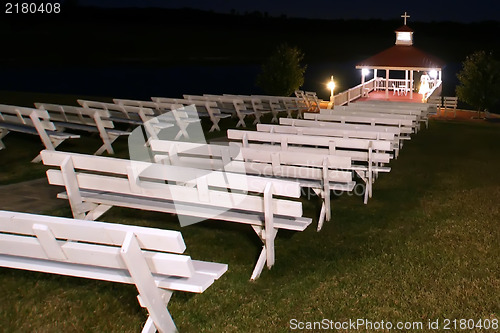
(270, 231)
(104, 181)
(307, 168)
(72, 247)
(48, 242)
(363, 119)
(132, 115)
(31, 121)
(146, 285)
(354, 127)
(308, 140)
(323, 145)
(203, 108)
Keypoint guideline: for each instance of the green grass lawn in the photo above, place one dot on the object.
(425, 247)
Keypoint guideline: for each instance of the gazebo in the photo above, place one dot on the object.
(403, 56)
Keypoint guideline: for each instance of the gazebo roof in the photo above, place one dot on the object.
(402, 57)
(404, 28)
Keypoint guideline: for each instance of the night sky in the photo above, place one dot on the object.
(426, 11)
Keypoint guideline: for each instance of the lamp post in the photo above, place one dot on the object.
(331, 86)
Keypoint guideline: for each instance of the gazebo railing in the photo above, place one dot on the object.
(393, 83)
(355, 92)
(349, 95)
(398, 83)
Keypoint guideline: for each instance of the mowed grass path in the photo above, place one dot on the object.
(425, 247)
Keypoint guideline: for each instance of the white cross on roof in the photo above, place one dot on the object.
(405, 16)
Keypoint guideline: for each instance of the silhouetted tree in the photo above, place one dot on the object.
(282, 73)
(479, 81)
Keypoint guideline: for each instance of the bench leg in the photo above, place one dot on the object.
(241, 122)
(257, 118)
(267, 253)
(260, 264)
(365, 180)
(275, 117)
(106, 146)
(79, 208)
(151, 296)
(321, 218)
(3, 133)
(149, 326)
(215, 124)
(325, 208)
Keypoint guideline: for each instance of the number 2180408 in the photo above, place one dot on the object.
(32, 8)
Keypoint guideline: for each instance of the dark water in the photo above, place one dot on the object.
(142, 82)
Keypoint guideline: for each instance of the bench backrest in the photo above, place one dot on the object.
(226, 104)
(450, 102)
(429, 107)
(165, 182)
(202, 106)
(146, 257)
(138, 114)
(234, 158)
(332, 132)
(77, 241)
(309, 140)
(26, 116)
(357, 149)
(358, 127)
(360, 118)
(356, 111)
(77, 115)
(382, 109)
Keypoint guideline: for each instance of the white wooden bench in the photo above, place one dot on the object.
(31, 121)
(310, 100)
(280, 103)
(412, 121)
(288, 103)
(420, 113)
(263, 104)
(233, 106)
(250, 102)
(346, 118)
(354, 127)
(368, 156)
(450, 105)
(94, 184)
(242, 106)
(166, 113)
(203, 108)
(151, 259)
(332, 132)
(436, 100)
(84, 119)
(136, 116)
(426, 108)
(322, 173)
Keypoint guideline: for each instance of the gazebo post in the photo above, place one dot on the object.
(387, 83)
(375, 77)
(406, 79)
(411, 84)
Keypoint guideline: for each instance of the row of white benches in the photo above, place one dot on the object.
(51, 122)
(94, 184)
